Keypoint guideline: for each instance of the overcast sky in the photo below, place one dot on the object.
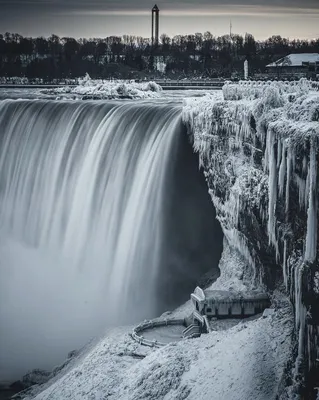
(101, 18)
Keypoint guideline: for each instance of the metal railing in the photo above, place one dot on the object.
(191, 331)
(153, 324)
(169, 83)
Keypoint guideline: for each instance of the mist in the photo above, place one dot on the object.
(46, 309)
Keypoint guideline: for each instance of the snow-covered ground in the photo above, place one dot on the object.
(244, 362)
(117, 89)
(241, 362)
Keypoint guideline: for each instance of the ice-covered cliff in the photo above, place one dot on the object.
(259, 151)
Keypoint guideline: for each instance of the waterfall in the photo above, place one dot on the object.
(84, 193)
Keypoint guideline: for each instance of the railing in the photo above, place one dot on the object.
(199, 317)
(153, 324)
(188, 83)
(315, 85)
(191, 331)
(207, 324)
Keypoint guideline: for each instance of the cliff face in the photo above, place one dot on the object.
(259, 151)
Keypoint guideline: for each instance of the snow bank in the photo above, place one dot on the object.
(259, 150)
(117, 89)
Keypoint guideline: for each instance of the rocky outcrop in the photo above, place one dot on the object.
(31, 382)
(259, 152)
(31, 379)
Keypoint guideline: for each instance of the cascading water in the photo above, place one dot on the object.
(94, 231)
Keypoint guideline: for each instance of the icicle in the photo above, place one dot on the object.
(272, 185)
(301, 184)
(269, 144)
(293, 159)
(284, 264)
(292, 283)
(279, 152)
(304, 164)
(298, 292)
(289, 157)
(238, 241)
(311, 238)
(246, 126)
(282, 170)
(300, 318)
(307, 188)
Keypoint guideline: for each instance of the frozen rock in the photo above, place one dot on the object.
(90, 89)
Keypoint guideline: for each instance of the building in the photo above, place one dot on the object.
(295, 65)
(155, 25)
(225, 304)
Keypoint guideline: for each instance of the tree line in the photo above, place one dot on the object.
(203, 55)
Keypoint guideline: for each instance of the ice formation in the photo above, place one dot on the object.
(259, 150)
(18, 80)
(251, 90)
(116, 89)
(14, 80)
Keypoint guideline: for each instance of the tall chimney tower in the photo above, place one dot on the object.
(155, 25)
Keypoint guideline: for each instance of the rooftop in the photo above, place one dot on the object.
(223, 295)
(227, 296)
(295, 60)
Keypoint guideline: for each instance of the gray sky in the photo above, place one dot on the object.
(101, 18)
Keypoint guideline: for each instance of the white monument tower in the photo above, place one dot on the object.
(155, 26)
